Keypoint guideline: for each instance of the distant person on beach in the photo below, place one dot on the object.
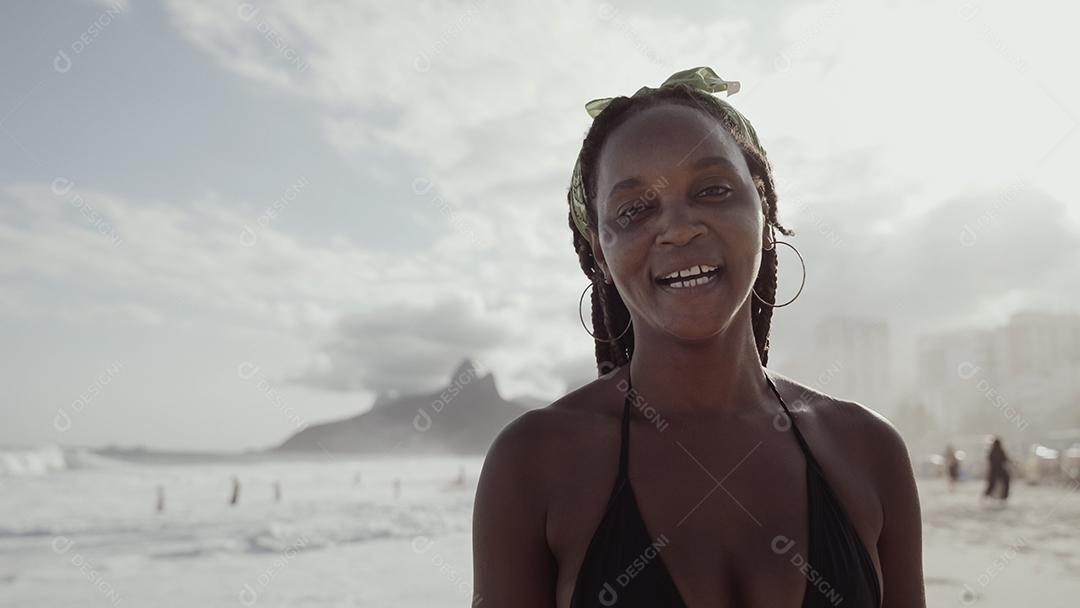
(277, 491)
(998, 473)
(397, 487)
(160, 499)
(235, 491)
(952, 466)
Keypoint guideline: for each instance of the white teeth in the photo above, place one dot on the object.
(692, 282)
(691, 271)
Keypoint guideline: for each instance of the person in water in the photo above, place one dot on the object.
(997, 475)
(687, 474)
(952, 466)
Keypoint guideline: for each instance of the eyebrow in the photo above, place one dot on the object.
(701, 163)
(710, 161)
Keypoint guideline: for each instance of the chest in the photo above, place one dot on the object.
(729, 509)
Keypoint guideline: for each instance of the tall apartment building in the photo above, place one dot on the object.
(854, 361)
(1016, 377)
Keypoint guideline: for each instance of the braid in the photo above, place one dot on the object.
(607, 321)
(761, 314)
(609, 313)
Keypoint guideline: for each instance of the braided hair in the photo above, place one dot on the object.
(609, 313)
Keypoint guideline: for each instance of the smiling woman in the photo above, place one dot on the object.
(634, 195)
(674, 214)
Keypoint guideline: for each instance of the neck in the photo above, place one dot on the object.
(721, 375)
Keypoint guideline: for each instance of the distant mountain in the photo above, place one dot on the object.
(462, 418)
(531, 403)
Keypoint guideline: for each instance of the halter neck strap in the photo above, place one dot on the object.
(624, 441)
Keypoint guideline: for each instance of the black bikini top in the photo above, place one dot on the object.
(838, 570)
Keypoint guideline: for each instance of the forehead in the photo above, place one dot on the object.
(660, 141)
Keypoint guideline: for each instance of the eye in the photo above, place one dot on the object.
(717, 190)
(632, 209)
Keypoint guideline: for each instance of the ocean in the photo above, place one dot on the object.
(78, 529)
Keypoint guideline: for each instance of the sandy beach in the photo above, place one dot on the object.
(91, 537)
(1026, 554)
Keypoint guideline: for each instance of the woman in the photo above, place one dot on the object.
(997, 473)
(687, 474)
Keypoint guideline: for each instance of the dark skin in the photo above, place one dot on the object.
(549, 474)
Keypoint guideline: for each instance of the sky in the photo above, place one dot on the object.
(221, 221)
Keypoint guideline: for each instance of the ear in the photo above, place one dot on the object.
(768, 237)
(598, 254)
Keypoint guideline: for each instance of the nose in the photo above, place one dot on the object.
(679, 226)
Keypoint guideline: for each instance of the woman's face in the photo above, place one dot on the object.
(673, 191)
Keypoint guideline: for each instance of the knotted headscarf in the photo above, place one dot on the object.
(700, 78)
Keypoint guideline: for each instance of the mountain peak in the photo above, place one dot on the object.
(463, 417)
(469, 377)
(467, 368)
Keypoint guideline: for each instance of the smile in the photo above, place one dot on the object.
(690, 278)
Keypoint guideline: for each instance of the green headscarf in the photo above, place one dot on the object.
(700, 78)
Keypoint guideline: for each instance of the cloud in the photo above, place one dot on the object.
(882, 150)
(475, 108)
(971, 260)
(177, 258)
(406, 348)
(483, 100)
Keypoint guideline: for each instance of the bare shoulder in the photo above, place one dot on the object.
(848, 426)
(533, 462)
(533, 444)
(868, 465)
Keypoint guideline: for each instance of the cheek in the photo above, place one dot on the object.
(741, 236)
(741, 229)
(620, 243)
(750, 234)
(624, 250)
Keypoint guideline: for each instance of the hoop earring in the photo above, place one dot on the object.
(801, 284)
(582, 317)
